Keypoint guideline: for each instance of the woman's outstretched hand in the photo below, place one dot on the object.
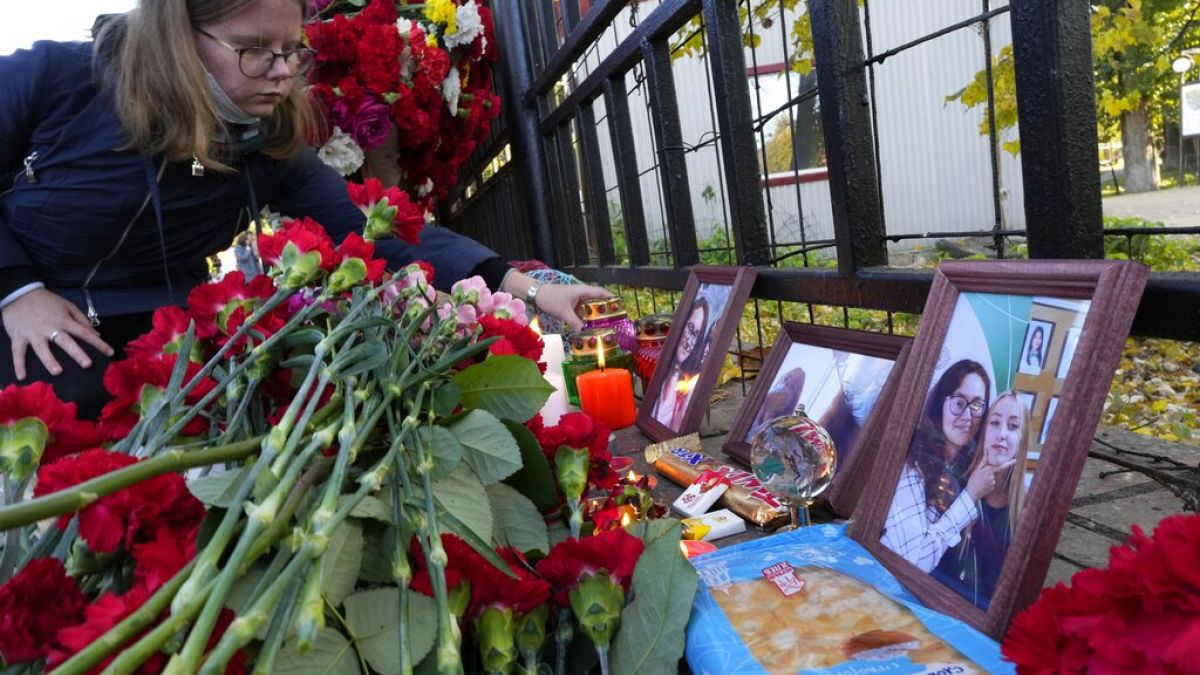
(41, 319)
(560, 301)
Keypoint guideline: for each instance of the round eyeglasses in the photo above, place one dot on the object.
(958, 404)
(258, 61)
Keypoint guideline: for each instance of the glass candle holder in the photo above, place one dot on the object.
(584, 347)
(652, 333)
(610, 313)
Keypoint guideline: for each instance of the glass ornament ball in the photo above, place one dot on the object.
(794, 458)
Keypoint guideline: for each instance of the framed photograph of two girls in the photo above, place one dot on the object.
(990, 427)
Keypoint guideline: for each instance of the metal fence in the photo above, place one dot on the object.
(613, 108)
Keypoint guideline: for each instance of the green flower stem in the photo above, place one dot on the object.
(87, 658)
(602, 654)
(449, 658)
(13, 490)
(87, 492)
(243, 629)
(401, 570)
(259, 518)
(310, 618)
(276, 632)
(563, 634)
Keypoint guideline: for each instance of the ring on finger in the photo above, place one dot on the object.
(54, 335)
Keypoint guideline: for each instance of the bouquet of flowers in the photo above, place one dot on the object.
(418, 76)
(1140, 615)
(330, 468)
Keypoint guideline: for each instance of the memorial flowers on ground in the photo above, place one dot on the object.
(327, 466)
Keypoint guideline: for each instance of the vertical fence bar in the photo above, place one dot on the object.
(735, 120)
(557, 195)
(672, 162)
(523, 123)
(545, 12)
(570, 15)
(846, 122)
(620, 130)
(1056, 115)
(573, 222)
(593, 181)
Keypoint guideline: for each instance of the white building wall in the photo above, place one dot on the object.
(935, 165)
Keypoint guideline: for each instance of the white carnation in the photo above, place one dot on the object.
(341, 153)
(425, 188)
(468, 24)
(404, 26)
(452, 89)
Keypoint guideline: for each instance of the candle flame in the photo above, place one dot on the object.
(600, 354)
(536, 326)
(632, 477)
(684, 549)
(686, 385)
(626, 519)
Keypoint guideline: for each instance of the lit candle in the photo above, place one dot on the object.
(552, 355)
(692, 548)
(607, 394)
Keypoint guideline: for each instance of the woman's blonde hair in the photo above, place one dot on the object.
(1013, 484)
(155, 77)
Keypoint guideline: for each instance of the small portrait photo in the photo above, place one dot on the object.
(1037, 343)
(691, 351)
(1029, 400)
(1050, 410)
(1068, 352)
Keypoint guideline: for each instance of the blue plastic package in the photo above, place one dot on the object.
(850, 616)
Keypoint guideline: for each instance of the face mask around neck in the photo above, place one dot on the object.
(226, 108)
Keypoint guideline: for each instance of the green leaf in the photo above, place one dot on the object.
(243, 586)
(447, 452)
(510, 387)
(379, 543)
(535, 479)
(487, 446)
(369, 507)
(445, 399)
(518, 522)
(341, 562)
(374, 618)
(360, 359)
(651, 636)
(460, 494)
(217, 489)
(331, 654)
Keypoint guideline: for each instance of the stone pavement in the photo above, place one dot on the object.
(1178, 207)
(1108, 501)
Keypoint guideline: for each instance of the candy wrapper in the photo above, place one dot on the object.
(815, 601)
(681, 461)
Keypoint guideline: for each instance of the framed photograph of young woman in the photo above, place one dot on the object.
(840, 376)
(955, 506)
(703, 325)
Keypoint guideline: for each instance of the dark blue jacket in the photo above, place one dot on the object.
(70, 209)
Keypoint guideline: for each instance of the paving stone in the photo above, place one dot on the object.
(1121, 514)
(1060, 571)
(1083, 547)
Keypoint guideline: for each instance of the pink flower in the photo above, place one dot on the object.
(371, 125)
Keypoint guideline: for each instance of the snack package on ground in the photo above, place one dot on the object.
(814, 601)
(701, 494)
(681, 461)
(716, 525)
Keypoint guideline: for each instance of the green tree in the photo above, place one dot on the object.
(1133, 44)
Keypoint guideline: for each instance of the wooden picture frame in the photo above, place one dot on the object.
(876, 358)
(904, 524)
(662, 417)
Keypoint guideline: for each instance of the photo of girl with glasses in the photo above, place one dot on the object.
(937, 495)
(675, 394)
(973, 566)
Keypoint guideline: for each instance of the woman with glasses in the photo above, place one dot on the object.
(676, 391)
(933, 504)
(128, 160)
(972, 568)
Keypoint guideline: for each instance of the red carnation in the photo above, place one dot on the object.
(614, 553)
(130, 515)
(34, 605)
(170, 324)
(299, 252)
(126, 381)
(578, 430)
(461, 561)
(65, 434)
(389, 211)
(213, 306)
(1141, 614)
(514, 339)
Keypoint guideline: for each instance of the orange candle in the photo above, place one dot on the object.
(607, 395)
